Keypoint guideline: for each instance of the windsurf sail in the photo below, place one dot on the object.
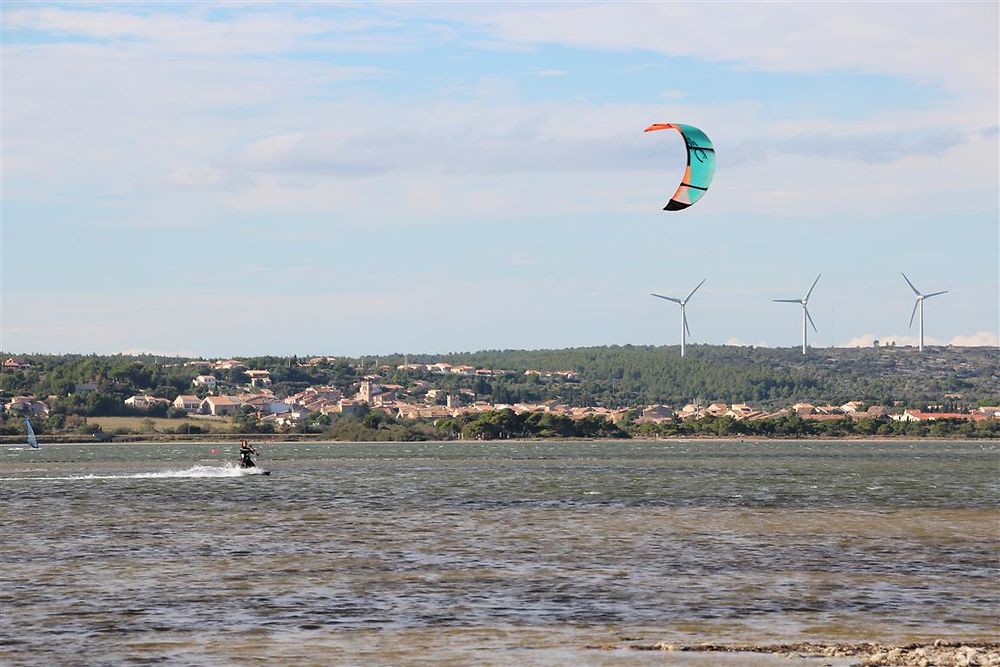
(32, 440)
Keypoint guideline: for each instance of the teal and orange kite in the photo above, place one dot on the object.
(700, 165)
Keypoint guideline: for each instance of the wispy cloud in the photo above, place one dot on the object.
(946, 43)
(265, 29)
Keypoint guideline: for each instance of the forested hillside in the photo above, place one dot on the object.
(611, 376)
(765, 377)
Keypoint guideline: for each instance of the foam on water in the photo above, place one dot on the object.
(194, 472)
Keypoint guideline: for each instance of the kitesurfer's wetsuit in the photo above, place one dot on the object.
(245, 451)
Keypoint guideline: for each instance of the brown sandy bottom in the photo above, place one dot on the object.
(552, 647)
(940, 653)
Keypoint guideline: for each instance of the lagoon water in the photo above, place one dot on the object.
(509, 553)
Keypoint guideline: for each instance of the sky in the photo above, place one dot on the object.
(238, 179)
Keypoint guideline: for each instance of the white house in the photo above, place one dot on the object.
(220, 405)
(207, 381)
(187, 403)
(27, 405)
(259, 378)
(143, 402)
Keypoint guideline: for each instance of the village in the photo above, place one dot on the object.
(420, 401)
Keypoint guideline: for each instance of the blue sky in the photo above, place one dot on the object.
(236, 179)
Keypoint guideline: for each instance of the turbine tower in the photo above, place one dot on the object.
(682, 303)
(805, 312)
(920, 303)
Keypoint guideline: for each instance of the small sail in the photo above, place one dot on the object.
(32, 440)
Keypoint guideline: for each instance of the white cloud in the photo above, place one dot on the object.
(196, 178)
(736, 342)
(248, 31)
(980, 339)
(953, 44)
(868, 340)
(286, 131)
(551, 72)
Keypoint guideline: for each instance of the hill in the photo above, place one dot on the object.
(766, 377)
(612, 376)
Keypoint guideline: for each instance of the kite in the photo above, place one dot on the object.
(700, 165)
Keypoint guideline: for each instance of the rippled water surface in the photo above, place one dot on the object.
(486, 553)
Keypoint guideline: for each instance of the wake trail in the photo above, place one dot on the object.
(194, 472)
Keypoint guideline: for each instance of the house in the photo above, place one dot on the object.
(264, 403)
(207, 381)
(285, 420)
(739, 411)
(658, 413)
(440, 367)
(717, 409)
(463, 370)
(316, 398)
(920, 416)
(349, 408)
(411, 367)
(82, 388)
(989, 411)
(26, 406)
(259, 378)
(16, 363)
(188, 403)
(143, 402)
(851, 406)
(384, 398)
(227, 365)
(409, 411)
(220, 406)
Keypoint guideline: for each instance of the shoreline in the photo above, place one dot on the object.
(318, 438)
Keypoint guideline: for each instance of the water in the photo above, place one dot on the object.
(491, 553)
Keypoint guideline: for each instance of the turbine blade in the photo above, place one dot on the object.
(787, 300)
(688, 297)
(812, 288)
(684, 316)
(927, 296)
(914, 313)
(915, 291)
(810, 318)
(668, 298)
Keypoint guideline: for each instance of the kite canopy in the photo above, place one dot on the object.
(700, 165)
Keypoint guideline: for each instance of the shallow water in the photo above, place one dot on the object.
(491, 553)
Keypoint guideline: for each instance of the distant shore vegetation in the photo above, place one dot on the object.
(96, 396)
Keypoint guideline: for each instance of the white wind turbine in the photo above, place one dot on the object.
(682, 303)
(805, 312)
(920, 303)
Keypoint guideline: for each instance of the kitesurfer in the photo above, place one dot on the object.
(246, 449)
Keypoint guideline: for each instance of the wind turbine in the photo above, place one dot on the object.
(682, 303)
(805, 312)
(920, 303)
